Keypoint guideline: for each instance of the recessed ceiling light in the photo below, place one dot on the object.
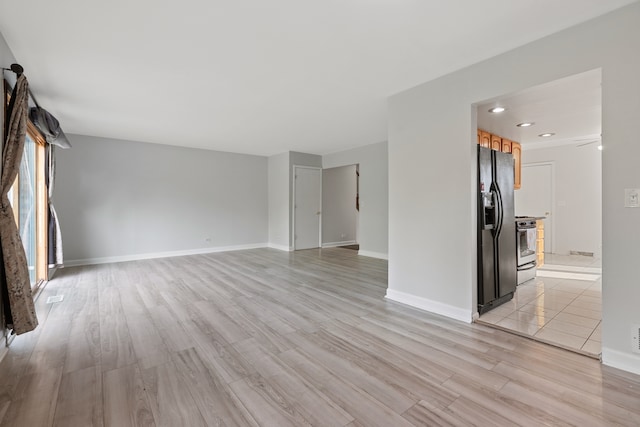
(525, 124)
(497, 110)
(546, 135)
(600, 147)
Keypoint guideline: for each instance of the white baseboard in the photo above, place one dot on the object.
(430, 306)
(373, 254)
(280, 247)
(336, 244)
(617, 359)
(137, 257)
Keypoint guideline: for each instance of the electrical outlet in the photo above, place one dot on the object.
(632, 197)
(635, 339)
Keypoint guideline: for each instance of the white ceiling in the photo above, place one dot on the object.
(255, 76)
(571, 108)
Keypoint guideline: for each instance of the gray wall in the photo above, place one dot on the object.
(339, 214)
(577, 211)
(432, 171)
(122, 199)
(279, 201)
(374, 194)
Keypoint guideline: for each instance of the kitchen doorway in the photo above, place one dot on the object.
(559, 127)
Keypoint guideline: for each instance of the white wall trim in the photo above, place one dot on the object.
(137, 257)
(430, 305)
(280, 247)
(373, 254)
(620, 360)
(336, 244)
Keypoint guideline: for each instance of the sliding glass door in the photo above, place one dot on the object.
(29, 204)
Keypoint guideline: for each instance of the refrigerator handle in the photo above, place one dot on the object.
(499, 214)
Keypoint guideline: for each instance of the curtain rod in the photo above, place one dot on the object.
(60, 139)
(19, 70)
(16, 68)
(45, 118)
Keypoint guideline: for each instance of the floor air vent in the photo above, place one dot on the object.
(583, 253)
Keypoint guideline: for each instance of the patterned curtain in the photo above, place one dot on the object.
(16, 287)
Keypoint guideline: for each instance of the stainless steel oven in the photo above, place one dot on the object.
(526, 248)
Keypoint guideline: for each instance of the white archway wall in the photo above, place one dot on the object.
(432, 142)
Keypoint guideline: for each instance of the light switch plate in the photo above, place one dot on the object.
(632, 197)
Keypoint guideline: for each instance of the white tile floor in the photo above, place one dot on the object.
(561, 306)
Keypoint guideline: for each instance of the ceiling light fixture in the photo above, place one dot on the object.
(497, 110)
(546, 135)
(525, 124)
(600, 147)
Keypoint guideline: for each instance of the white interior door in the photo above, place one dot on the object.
(535, 197)
(307, 207)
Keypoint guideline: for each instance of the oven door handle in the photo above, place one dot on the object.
(533, 265)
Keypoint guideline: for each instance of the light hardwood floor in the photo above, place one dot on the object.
(269, 338)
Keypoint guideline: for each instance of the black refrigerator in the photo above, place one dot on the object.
(497, 257)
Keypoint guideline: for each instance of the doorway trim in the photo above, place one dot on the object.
(293, 206)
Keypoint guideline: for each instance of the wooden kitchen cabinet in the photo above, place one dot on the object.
(540, 242)
(506, 145)
(496, 143)
(516, 150)
(484, 139)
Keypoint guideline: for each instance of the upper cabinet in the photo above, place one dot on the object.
(516, 150)
(495, 142)
(484, 139)
(506, 145)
